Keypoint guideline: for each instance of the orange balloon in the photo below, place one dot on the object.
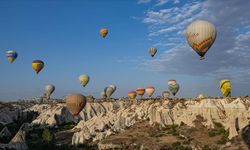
(75, 103)
(104, 32)
(140, 91)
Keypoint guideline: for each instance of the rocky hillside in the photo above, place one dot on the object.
(100, 121)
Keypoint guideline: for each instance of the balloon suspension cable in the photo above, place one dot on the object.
(76, 119)
(202, 58)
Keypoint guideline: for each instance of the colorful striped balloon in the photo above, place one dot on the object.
(171, 82)
(11, 56)
(132, 94)
(200, 36)
(173, 88)
(225, 87)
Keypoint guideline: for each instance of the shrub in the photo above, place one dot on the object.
(47, 136)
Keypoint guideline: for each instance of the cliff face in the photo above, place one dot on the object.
(18, 142)
(52, 115)
(11, 113)
(98, 120)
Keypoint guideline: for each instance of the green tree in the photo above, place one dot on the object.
(47, 136)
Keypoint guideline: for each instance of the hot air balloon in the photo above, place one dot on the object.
(113, 86)
(11, 56)
(104, 32)
(103, 94)
(105, 89)
(49, 89)
(109, 91)
(170, 82)
(132, 94)
(75, 103)
(140, 91)
(200, 36)
(225, 87)
(150, 91)
(173, 88)
(37, 65)
(201, 96)
(152, 51)
(165, 94)
(84, 79)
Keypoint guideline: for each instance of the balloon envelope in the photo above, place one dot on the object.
(49, 89)
(103, 94)
(173, 88)
(165, 94)
(104, 32)
(84, 79)
(225, 87)
(150, 91)
(171, 82)
(11, 56)
(201, 96)
(200, 36)
(105, 89)
(75, 103)
(109, 91)
(113, 86)
(152, 51)
(37, 65)
(140, 91)
(132, 94)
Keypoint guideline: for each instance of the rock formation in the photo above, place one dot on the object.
(18, 142)
(51, 114)
(11, 113)
(5, 133)
(101, 119)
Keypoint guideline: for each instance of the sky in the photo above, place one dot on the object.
(65, 35)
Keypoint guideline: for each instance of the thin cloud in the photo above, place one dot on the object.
(143, 1)
(227, 58)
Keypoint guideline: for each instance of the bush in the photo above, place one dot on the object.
(173, 129)
(206, 147)
(212, 133)
(178, 146)
(224, 138)
(47, 136)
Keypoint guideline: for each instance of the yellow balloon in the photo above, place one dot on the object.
(84, 80)
(104, 32)
(200, 36)
(37, 65)
(132, 94)
(225, 87)
(11, 59)
(201, 96)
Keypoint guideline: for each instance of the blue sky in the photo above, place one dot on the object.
(65, 35)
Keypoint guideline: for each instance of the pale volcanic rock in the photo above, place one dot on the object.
(224, 111)
(5, 133)
(101, 119)
(51, 115)
(109, 146)
(18, 142)
(10, 114)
